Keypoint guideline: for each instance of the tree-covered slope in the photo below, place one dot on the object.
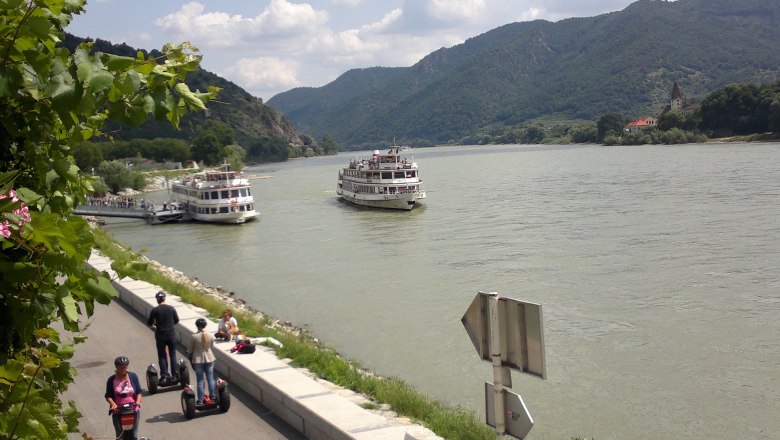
(252, 120)
(578, 68)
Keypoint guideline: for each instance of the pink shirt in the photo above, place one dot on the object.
(123, 391)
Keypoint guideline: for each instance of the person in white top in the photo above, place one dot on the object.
(227, 326)
(202, 359)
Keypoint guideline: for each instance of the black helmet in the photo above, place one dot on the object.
(160, 296)
(122, 360)
(200, 323)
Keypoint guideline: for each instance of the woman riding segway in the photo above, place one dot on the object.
(123, 392)
(202, 358)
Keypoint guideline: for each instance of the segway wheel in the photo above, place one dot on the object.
(188, 406)
(152, 381)
(224, 399)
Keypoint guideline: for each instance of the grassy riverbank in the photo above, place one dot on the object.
(305, 351)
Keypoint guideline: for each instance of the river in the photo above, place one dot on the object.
(656, 267)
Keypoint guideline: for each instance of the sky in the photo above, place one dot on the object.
(271, 46)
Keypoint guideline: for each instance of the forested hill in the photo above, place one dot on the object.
(253, 121)
(579, 68)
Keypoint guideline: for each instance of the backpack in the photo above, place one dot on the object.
(243, 346)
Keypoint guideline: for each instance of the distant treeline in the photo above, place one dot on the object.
(213, 143)
(737, 109)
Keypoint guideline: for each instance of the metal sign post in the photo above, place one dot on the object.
(508, 333)
(499, 372)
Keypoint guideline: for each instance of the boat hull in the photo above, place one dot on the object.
(405, 202)
(235, 218)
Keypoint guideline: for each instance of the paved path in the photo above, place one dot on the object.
(116, 330)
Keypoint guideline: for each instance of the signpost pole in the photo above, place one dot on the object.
(508, 334)
(498, 373)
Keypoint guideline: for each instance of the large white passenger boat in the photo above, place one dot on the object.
(216, 196)
(386, 180)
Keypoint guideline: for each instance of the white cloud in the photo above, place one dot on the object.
(219, 29)
(386, 22)
(264, 73)
(455, 10)
(351, 3)
(355, 46)
(532, 14)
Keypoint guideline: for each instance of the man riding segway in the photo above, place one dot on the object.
(163, 320)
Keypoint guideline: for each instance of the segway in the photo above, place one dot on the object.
(154, 382)
(127, 417)
(189, 404)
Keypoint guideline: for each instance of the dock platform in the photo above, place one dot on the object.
(152, 216)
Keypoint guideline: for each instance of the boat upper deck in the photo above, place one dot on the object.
(387, 161)
(215, 180)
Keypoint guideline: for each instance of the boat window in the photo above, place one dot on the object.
(234, 193)
(225, 194)
(215, 195)
(223, 209)
(387, 175)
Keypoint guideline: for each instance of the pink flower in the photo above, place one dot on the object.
(24, 211)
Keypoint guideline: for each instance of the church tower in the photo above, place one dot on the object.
(677, 99)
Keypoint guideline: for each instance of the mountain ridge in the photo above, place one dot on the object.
(579, 68)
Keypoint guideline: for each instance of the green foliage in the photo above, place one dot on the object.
(115, 175)
(87, 155)
(157, 149)
(329, 144)
(235, 156)
(774, 115)
(741, 109)
(138, 182)
(99, 187)
(672, 119)
(50, 101)
(611, 125)
(271, 149)
(584, 133)
(209, 143)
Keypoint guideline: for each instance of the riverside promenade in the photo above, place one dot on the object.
(313, 408)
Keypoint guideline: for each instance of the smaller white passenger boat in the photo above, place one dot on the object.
(386, 180)
(219, 196)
